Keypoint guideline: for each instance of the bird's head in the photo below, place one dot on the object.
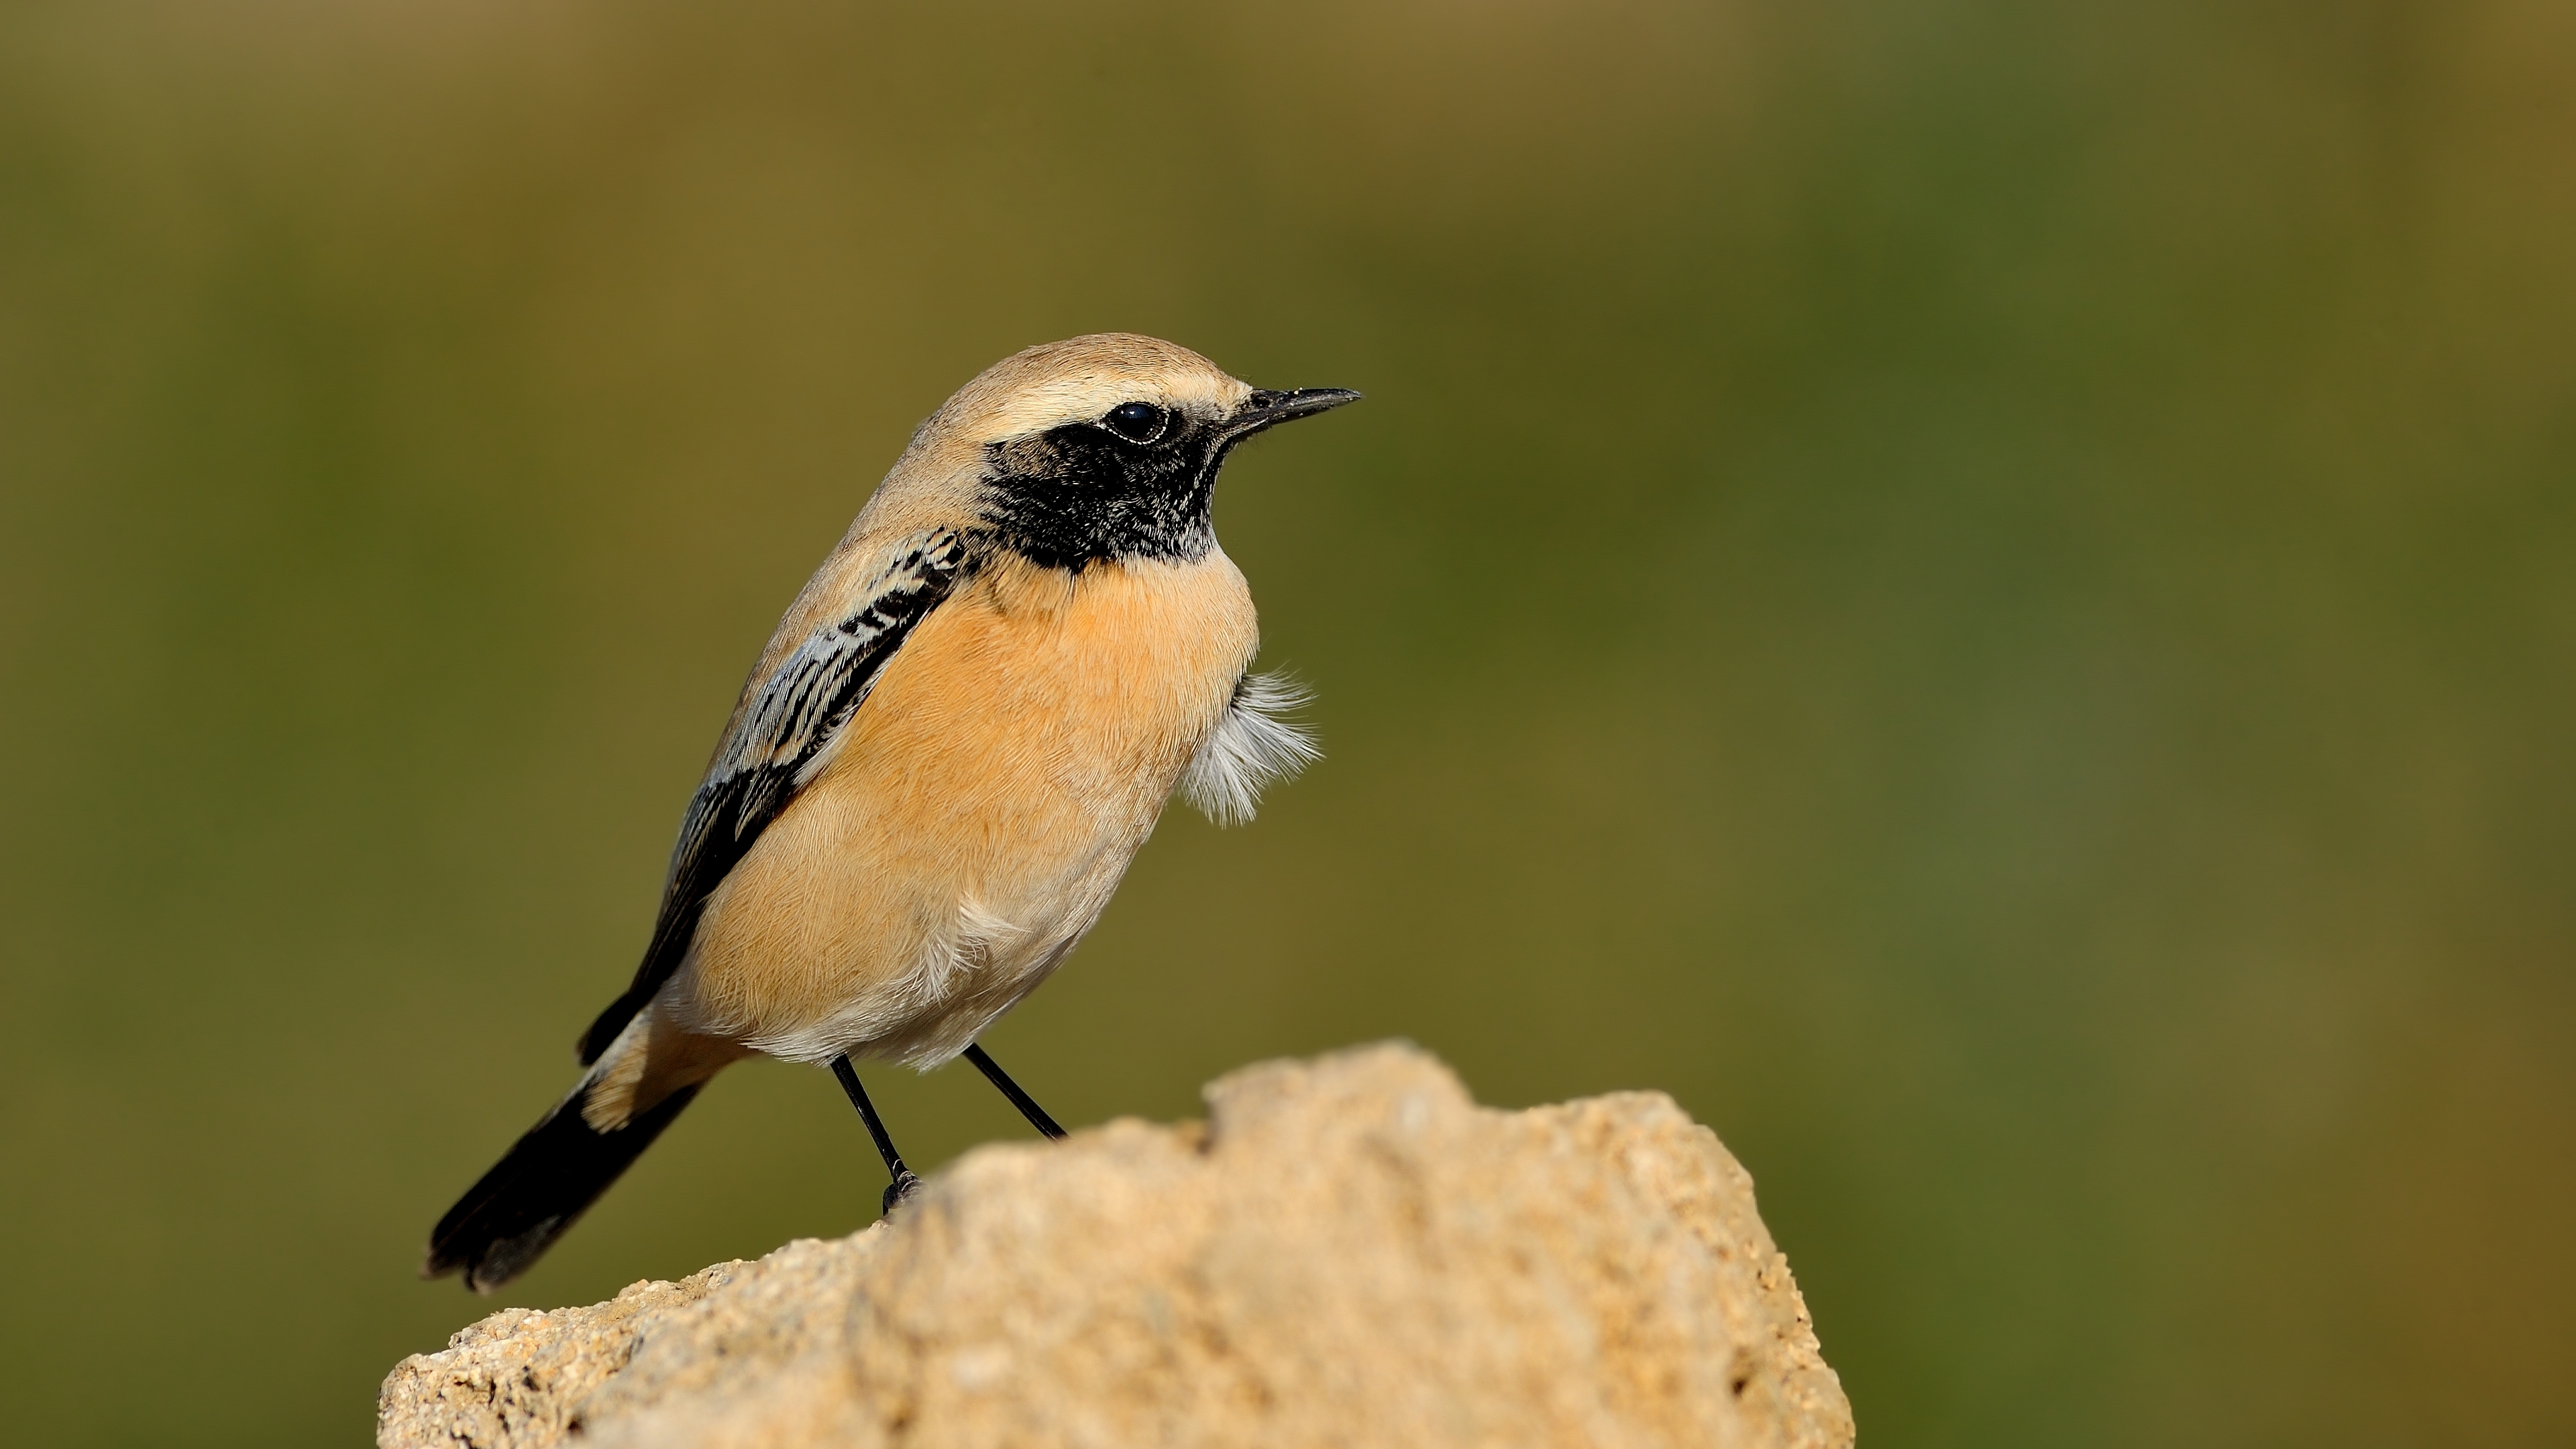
(1097, 448)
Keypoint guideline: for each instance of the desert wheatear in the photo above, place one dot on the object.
(958, 737)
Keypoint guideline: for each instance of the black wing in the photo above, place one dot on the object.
(775, 750)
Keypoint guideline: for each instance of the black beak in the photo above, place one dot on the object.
(1267, 409)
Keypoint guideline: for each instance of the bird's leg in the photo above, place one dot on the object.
(1028, 1106)
(904, 1181)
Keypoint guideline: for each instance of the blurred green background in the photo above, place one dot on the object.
(1982, 591)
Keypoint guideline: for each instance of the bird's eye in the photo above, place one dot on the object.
(1138, 422)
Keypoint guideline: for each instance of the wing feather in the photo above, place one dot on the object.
(778, 745)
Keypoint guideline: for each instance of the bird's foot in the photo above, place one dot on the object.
(904, 1185)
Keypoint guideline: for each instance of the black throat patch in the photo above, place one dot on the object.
(1079, 494)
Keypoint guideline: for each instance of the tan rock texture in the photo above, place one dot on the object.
(1348, 1252)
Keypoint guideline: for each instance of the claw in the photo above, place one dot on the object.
(904, 1186)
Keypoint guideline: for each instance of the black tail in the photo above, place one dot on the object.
(505, 1222)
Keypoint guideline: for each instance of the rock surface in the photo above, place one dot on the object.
(1348, 1252)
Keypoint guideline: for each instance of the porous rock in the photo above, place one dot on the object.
(1349, 1251)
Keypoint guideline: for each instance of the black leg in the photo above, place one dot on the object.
(904, 1182)
(1028, 1106)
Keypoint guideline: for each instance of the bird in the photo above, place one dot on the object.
(959, 735)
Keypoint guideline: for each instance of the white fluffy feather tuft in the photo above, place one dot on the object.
(1251, 749)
